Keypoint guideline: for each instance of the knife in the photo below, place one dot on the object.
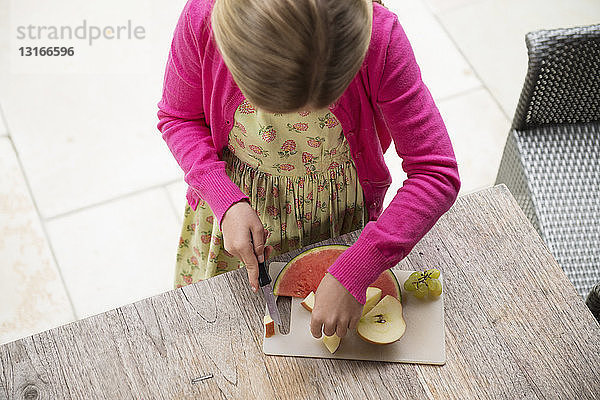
(264, 281)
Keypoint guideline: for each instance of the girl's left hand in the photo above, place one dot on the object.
(336, 310)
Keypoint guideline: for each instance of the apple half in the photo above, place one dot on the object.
(384, 323)
(331, 342)
(269, 326)
(309, 301)
(373, 297)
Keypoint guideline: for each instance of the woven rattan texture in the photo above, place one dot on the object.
(551, 162)
(562, 166)
(512, 173)
(563, 78)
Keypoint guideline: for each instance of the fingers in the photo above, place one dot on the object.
(341, 329)
(321, 324)
(254, 254)
(243, 237)
(352, 324)
(249, 258)
(315, 326)
(328, 328)
(258, 238)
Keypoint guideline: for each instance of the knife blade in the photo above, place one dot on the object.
(264, 280)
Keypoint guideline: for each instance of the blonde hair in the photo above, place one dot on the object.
(290, 55)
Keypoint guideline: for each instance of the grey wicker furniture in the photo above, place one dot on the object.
(551, 161)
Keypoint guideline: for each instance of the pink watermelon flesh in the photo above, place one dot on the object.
(304, 273)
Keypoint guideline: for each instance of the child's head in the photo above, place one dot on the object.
(290, 55)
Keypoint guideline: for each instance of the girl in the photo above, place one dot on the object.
(279, 112)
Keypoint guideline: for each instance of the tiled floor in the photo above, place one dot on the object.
(91, 199)
(32, 295)
(117, 252)
(3, 130)
(176, 193)
(80, 128)
(490, 34)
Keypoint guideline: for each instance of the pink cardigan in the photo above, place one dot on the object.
(386, 102)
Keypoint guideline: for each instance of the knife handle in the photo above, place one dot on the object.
(263, 276)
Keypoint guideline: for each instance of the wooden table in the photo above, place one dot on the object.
(515, 328)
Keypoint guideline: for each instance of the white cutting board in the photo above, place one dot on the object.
(423, 341)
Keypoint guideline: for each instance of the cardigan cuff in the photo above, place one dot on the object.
(358, 267)
(219, 192)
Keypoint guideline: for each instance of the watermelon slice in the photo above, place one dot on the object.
(303, 273)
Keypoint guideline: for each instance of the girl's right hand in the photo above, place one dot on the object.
(244, 237)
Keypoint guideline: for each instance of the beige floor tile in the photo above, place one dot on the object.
(394, 164)
(443, 68)
(89, 137)
(177, 192)
(32, 295)
(437, 6)
(491, 34)
(94, 139)
(478, 130)
(118, 252)
(3, 128)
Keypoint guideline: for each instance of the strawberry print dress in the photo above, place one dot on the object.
(298, 172)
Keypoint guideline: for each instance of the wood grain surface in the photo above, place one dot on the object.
(515, 329)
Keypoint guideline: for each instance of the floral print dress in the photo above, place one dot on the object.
(297, 170)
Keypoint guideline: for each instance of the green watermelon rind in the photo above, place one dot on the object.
(321, 248)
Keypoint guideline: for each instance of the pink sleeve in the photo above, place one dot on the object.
(421, 140)
(183, 126)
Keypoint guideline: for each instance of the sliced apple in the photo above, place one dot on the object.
(269, 326)
(331, 342)
(309, 301)
(384, 324)
(373, 297)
